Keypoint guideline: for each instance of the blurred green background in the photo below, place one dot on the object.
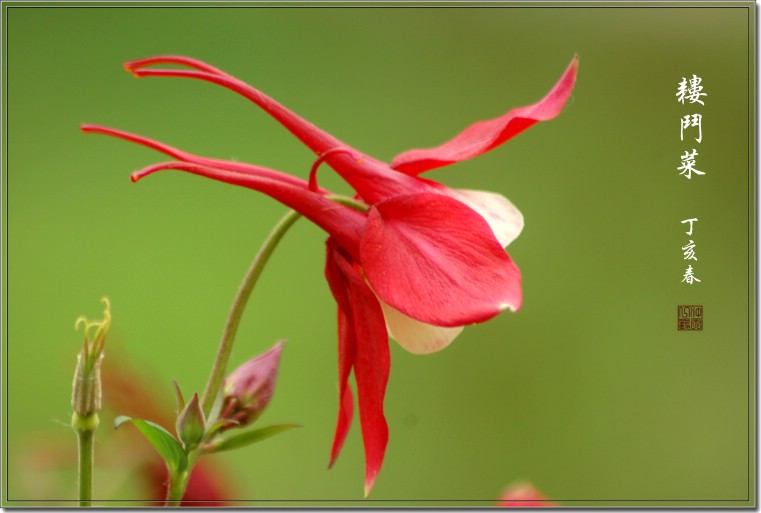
(589, 392)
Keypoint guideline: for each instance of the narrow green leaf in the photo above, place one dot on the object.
(178, 395)
(162, 440)
(249, 437)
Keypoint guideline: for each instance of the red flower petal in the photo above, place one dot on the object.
(345, 416)
(184, 156)
(437, 260)
(372, 179)
(482, 136)
(342, 223)
(316, 139)
(346, 346)
(372, 359)
(371, 370)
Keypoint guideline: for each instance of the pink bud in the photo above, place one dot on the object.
(249, 388)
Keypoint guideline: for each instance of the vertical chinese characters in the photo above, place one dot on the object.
(690, 91)
(690, 125)
(689, 254)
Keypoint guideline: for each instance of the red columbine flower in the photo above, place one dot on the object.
(423, 260)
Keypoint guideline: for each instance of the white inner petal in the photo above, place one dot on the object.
(505, 220)
(415, 336)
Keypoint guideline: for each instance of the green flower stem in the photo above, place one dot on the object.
(85, 429)
(239, 305)
(349, 202)
(244, 292)
(179, 482)
(176, 490)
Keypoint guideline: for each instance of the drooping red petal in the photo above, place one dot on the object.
(371, 364)
(482, 136)
(342, 223)
(346, 346)
(371, 371)
(178, 154)
(343, 423)
(437, 260)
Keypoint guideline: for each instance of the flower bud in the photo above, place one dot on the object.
(86, 388)
(191, 424)
(249, 388)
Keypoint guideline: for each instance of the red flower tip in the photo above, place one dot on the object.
(184, 156)
(483, 136)
(179, 60)
(369, 485)
(138, 175)
(345, 415)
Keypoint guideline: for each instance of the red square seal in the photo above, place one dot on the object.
(689, 317)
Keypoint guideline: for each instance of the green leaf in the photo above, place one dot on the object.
(249, 437)
(178, 395)
(162, 440)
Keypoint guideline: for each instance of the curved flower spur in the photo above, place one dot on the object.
(412, 259)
